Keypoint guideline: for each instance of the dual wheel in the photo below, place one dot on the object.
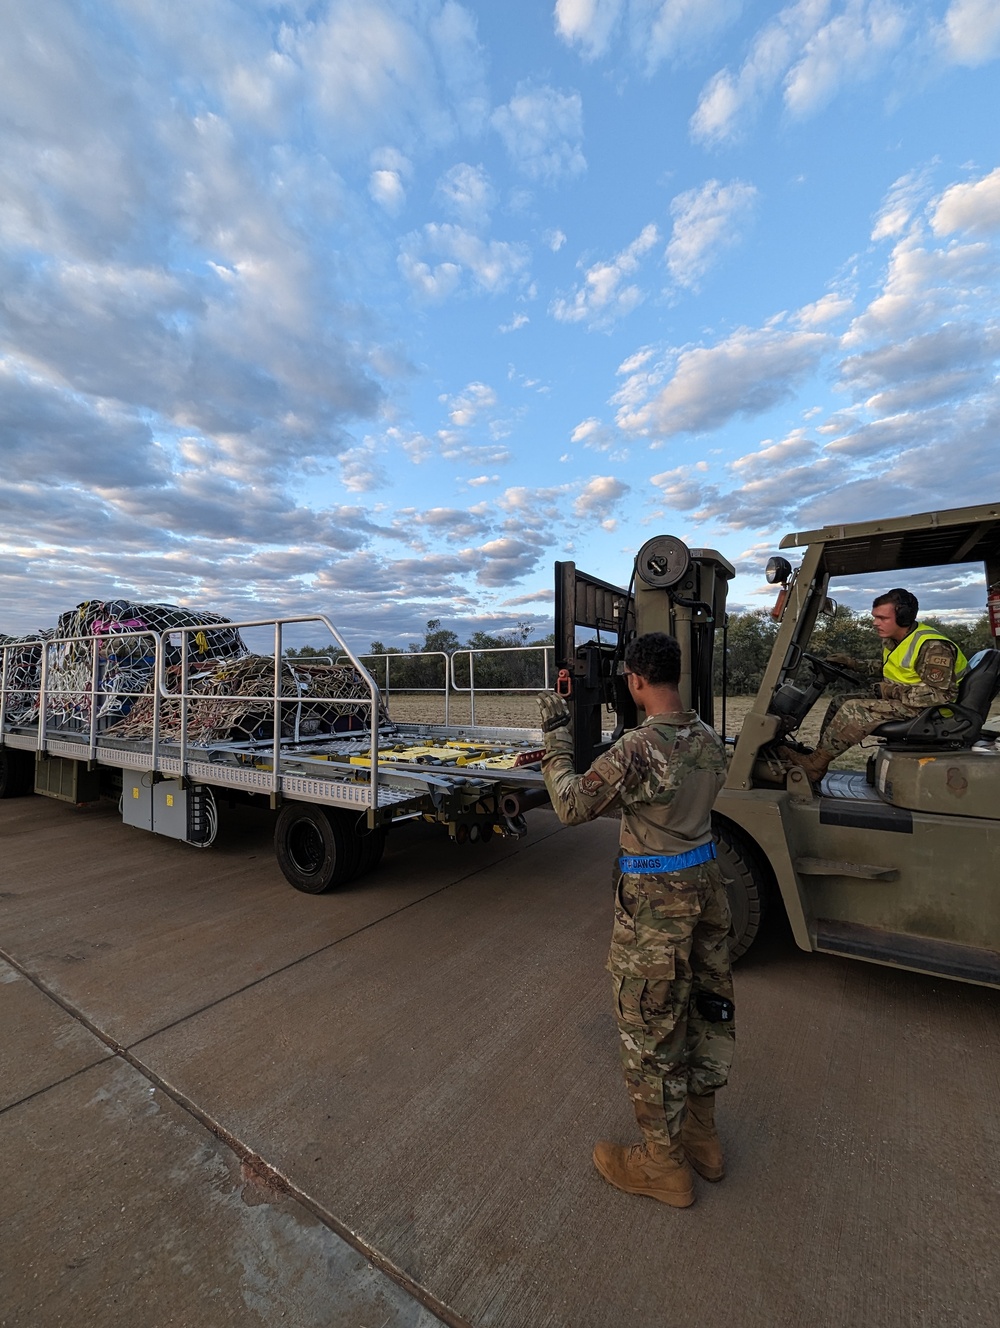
(320, 848)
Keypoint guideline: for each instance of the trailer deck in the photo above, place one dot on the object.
(167, 708)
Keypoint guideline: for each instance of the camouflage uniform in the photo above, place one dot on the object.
(850, 718)
(670, 938)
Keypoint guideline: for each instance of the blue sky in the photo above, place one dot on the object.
(378, 307)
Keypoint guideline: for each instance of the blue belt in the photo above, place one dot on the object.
(644, 866)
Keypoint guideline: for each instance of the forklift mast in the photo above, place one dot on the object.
(672, 589)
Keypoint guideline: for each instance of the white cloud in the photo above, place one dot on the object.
(492, 265)
(599, 496)
(594, 435)
(970, 34)
(503, 561)
(603, 298)
(746, 374)
(516, 323)
(971, 207)
(554, 240)
(467, 406)
(360, 471)
(587, 23)
(824, 310)
(373, 73)
(901, 204)
(923, 284)
(814, 55)
(468, 193)
(729, 102)
(706, 221)
(542, 130)
(387, 189)
(655, 30)
(847, 49)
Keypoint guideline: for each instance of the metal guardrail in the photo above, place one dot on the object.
(498, 650)
(451, 685)
(407, 656)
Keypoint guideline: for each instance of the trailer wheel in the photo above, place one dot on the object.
(746, 885)
(17, 772)
(316, 847)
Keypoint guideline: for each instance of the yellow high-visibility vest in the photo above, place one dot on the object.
(898, 661)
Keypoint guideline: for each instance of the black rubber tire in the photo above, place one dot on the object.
(316, 847)
(747, 885)
(17, 772)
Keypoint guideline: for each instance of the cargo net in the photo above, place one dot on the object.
(232, 701)
(219, 666)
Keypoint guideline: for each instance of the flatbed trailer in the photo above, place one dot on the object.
(337, 769)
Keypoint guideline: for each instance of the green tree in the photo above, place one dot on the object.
(749, 638)
(438, 638)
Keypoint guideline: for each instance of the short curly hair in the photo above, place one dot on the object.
(655, 657)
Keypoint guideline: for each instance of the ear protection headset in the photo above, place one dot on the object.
(905, 607)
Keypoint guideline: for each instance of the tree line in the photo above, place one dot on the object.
(748, 640)
(407, 670)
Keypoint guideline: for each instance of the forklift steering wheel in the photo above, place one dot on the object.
(824, 667)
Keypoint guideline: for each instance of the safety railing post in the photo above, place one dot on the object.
(276, 735)
(95, 656)
(43, 682)
(157, 702)
(5, 652)
(184, 711)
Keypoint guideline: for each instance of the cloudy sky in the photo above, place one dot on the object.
(377, 307)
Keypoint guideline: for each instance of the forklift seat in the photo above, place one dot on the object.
(958, 724)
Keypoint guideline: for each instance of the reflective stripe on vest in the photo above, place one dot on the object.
(898, 663)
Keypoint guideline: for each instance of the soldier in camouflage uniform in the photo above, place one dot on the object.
(920, 668)
(669, 959)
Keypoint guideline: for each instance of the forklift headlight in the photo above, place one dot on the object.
(777, 571)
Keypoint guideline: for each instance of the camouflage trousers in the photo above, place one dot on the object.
(670, 944)
(851, 718)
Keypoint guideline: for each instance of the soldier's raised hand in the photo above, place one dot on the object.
(554, 711)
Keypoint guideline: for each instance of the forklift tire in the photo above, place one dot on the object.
(746, 886)
(316, 847)
(17, 772)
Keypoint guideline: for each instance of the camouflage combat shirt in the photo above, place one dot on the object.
(663, 776)
(935, 665)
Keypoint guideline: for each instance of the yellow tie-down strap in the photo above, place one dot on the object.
(454, 753)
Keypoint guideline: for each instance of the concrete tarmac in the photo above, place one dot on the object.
(226, 1102)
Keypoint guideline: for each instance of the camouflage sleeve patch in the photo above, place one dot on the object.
(591, 781)
(936, 663)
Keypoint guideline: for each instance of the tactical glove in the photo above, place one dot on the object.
(554, 711)
(847, 662)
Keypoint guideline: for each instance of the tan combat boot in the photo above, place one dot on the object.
(815, 764)
(699, 1138)
(657, 1170)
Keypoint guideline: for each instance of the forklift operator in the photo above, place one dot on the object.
(920, 668)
